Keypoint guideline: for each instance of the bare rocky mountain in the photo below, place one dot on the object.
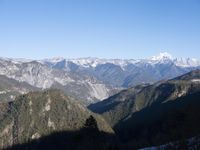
(86, 88)
(93, 79)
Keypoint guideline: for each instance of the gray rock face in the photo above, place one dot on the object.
(83, 87)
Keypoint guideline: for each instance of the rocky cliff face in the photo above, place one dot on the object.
(86, 88)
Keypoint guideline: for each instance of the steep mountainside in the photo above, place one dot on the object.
(170, 122)
(39, 114)
(156, 114)
(88, 91)
(10, 88)
(118, 106)
(121, 106)
(86, 88)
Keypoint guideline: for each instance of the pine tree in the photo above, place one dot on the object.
(91, 123)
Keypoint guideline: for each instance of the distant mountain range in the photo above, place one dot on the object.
(95, 79)
(127, 73)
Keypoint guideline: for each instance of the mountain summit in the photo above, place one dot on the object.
(162, 56)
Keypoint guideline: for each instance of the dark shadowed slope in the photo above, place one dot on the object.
(39, 114)
(158, 124)
(87, 138)
(163, 112)
(124, 104)
(118, 106)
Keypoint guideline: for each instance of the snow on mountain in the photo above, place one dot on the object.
(187, 62)
(181, 62)
(90, 62)
(52, 60)
(107, 73)
(87, 62)
(44, 76)
(17, 60)
(162, 56)
(33, 73)
(94, 62)
(127, 72)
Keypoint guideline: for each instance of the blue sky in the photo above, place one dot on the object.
(99, 28)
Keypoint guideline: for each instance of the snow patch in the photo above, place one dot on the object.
(51, 124)
(35, 136)
(182, 93)
(196, 80)
(30, 104)
(3, 92)
(48, 105)
(187, 62)
(12, 97)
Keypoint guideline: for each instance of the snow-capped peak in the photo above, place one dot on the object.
(187, 62)
(93, 62)
(52, 60)
(162, 56)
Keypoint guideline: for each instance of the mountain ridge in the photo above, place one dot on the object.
(96, 79)
(139, 97)
(94, 61)
(164, 112)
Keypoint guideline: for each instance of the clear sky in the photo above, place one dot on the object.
(99, 28)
